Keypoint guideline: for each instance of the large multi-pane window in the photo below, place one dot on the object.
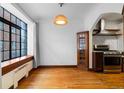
(13, 36)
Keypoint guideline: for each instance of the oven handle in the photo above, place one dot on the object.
(112, 56)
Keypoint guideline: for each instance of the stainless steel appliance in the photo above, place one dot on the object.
(111, 58)
(112, 61)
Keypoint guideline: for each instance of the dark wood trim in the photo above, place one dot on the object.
(122, 65)
(86, 33)
(16, 64)
(90, 69)
(82, 32)
(88, 49)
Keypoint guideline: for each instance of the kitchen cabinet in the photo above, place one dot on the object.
(122, 64)
(98, 61)
(83, 50)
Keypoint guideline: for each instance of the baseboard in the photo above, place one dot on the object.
(90, 69)
(58, 65)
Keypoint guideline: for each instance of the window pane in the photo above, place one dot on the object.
(18, 38)
(23, 39)
(13, 54)
(6, 45)
(17, 31)
(6, 55)
(1, 35)
(23, 46)
(1, 56)
(6, 15)
(18, 53)
(13, 19)
(6, 36)
(13, 38)
(13, 45)
(1, 12)
(23, 52)
(6, 27)
(18, 22)
(17, 45)
(13, 29)
(1, 45)
(23, 25)
(1, 25)
(23, 33)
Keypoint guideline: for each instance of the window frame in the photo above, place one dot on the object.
(19, 35)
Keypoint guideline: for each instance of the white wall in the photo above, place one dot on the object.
(120, 42)
(101, 8)
(58, 43)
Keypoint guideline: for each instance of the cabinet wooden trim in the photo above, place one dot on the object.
(122, 65)
(97, 61)
(85, 56)
(13, 65)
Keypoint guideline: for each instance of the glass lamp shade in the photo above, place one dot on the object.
(60, 20)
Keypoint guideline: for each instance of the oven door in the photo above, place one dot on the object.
(112, 63)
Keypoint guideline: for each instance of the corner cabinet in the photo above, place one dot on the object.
(83, 50)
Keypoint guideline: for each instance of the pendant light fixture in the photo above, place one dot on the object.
(60, 19)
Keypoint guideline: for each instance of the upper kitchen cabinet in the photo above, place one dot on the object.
(110, 24)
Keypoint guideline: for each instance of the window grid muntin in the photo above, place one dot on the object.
(19, 27)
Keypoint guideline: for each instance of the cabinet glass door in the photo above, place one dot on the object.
(82, 42)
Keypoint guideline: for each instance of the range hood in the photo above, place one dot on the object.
(108, 30)
(105, 29)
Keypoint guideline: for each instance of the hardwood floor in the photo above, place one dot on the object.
(70, 78)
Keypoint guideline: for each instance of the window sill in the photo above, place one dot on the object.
(10, 65)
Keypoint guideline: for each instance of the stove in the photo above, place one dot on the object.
(112, 52)
(111, 58)
(106, 51)
(112, 61)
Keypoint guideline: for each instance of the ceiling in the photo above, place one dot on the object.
(39, 11)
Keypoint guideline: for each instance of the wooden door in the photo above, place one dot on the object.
(83, 50)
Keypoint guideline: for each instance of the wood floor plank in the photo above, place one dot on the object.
(70, 78)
